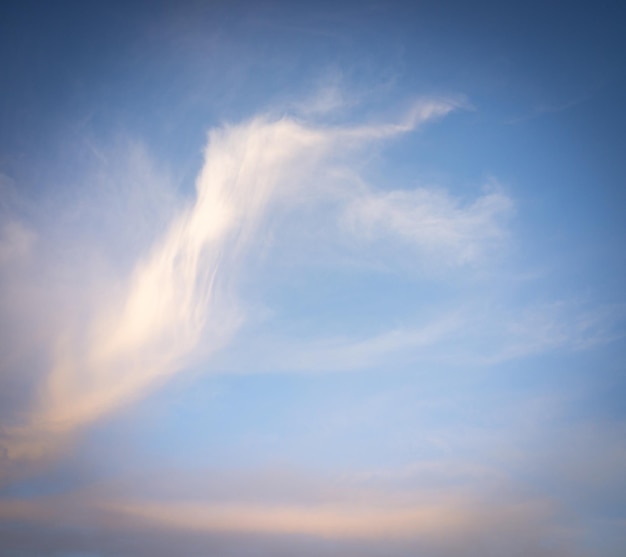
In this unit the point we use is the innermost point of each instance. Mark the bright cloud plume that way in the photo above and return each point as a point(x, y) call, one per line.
point(179, 302)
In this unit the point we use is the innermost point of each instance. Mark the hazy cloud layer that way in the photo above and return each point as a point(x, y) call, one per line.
point(433, 523)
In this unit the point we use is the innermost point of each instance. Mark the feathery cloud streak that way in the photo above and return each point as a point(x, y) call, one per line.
point(180, 297)
point(432, 221)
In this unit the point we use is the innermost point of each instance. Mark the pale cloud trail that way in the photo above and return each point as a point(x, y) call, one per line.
point(419, 113)
point(180, 298)
point(342, 353)
point(471, 335)
point(432, 221)
point(565, 325)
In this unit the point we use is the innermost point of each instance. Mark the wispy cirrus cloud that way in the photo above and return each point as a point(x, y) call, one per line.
point(473, 334)
point(180, 297)
point(432, 222)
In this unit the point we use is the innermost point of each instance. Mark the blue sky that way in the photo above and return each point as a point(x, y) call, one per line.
point(324, 279)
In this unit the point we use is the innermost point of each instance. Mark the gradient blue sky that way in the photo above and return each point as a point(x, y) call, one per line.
point(318, 279)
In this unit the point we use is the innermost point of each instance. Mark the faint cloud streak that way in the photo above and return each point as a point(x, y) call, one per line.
point(432, 221)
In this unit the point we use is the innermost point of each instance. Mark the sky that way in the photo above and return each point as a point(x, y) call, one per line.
point(327, 279)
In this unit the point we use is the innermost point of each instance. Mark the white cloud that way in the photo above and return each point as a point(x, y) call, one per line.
point(180, 298)
point(433, 222)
